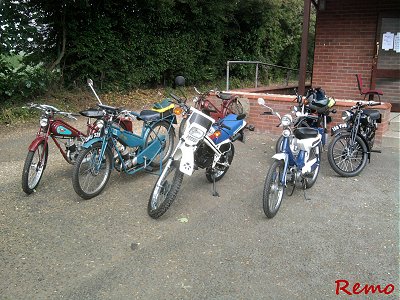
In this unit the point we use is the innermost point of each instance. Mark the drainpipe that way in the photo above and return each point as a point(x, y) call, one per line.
point(304, 47)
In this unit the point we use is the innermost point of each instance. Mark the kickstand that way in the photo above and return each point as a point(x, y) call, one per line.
point(215, 193)
point(304, 190)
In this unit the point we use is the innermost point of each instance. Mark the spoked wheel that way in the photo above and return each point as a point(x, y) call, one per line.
point(165, 132)
point(273, 189)
point(235, 108)
point(91, 173)
point(311, 178)
point(345, 157)
point(220, 169)
point(165, 190)
point(34, 166)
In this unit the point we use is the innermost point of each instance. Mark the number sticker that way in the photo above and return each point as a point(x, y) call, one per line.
point(92, 136)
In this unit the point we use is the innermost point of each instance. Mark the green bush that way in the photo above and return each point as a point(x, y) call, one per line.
point(20, 82)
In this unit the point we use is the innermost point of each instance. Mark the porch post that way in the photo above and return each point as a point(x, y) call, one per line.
point(304, 47)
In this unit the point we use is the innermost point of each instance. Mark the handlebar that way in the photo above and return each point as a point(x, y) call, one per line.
point(361, 104)
point(49, 109)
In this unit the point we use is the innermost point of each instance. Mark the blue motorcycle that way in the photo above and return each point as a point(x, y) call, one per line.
point(114, 146)
point(296, 165)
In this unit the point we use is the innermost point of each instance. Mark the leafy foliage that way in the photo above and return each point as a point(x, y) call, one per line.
point(128, 43)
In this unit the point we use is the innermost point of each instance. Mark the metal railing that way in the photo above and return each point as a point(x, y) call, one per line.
point(257, 63)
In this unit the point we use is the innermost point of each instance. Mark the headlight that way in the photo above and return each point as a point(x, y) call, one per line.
point(99, 124)
point(196, 133)
point(286, 120)
point(44, 122)
point(346, 115)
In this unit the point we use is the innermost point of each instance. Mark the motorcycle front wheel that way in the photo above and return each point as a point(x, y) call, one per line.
point(346, 158)
point(165, 190)
point(273, 189)
point(34, 166)
point(90, 174)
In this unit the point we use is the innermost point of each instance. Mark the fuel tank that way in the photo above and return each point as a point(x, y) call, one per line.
point(60, 128)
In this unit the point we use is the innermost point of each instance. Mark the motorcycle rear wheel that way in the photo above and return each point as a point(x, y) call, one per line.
point(165, 190)
point(312, 178)
point(345, 158)
point(235, 107)
point(34, 167)
point(182, 127)
point(220, 172)
point(88, 182)
point(161, 129)
point(273, 189)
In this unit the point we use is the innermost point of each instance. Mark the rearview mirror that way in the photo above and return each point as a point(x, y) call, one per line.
point(89, 81)
point(261, 101)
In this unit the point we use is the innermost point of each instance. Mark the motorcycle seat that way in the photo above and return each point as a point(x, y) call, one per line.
point(224, 96)
point(92, 113)
point(305, 133)
point(372, 113)
point(149, 115)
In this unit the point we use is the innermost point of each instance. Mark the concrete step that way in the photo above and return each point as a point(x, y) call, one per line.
point(391, 138)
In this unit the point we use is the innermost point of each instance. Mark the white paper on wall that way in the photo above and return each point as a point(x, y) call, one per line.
point(387, 40)
point(396, 43)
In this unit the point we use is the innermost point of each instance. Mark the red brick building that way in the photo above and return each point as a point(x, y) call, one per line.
point(358, 36)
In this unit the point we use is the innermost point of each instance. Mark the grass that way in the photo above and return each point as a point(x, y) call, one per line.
point(79, 99)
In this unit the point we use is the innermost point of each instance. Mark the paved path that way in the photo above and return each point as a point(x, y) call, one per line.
point(56, 246)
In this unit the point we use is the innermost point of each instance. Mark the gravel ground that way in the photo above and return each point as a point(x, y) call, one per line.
point(57, 246)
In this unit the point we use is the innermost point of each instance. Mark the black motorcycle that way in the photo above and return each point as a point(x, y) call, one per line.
point(352, 143)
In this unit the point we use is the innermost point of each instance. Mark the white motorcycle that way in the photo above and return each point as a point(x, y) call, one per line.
point(204, 144)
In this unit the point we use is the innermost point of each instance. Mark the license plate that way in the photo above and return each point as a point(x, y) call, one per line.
point(337, 127)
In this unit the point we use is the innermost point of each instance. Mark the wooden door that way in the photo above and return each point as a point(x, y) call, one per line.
point(386, 61)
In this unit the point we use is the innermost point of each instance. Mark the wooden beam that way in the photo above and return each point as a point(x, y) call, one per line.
point(304, 46)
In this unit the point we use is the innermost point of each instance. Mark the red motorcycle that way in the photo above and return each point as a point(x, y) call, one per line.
point(230, 105)
point(67, 139)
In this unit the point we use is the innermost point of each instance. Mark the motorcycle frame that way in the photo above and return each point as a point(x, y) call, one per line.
point(289, 159)
point(112, 134)
point(43, 135)
point(203, 104)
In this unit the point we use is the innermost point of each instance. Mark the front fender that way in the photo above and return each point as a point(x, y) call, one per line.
point(92, 141)
point(280, 156)
point(35, 143)
point(187, 160)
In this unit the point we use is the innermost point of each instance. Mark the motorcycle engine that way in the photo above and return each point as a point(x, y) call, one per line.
point(72, 147)
point(203, 156)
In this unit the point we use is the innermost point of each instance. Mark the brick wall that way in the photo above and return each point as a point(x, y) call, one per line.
point(345, 46)
point(284, 105)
